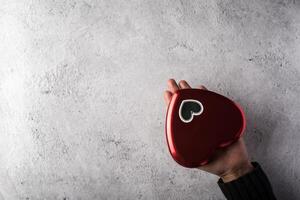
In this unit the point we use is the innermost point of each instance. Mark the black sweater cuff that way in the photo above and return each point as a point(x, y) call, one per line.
point(253, 185)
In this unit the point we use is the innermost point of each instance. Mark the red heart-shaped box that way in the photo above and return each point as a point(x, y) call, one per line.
point(200, 121)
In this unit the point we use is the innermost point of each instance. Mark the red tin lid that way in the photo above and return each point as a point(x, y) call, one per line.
point(200, 121)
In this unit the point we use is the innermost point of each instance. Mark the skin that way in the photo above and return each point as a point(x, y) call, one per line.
point(228, 163)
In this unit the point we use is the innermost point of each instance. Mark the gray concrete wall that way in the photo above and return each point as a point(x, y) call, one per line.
point(81, 84)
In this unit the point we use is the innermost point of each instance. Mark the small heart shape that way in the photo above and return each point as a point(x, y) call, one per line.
point(188, 109)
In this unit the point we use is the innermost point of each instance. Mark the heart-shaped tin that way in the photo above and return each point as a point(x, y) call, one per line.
point(200, 121)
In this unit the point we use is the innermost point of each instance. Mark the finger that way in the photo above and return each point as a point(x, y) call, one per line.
point(183, 84)
point(173, 87)
point(202, 87)
point(167, 97)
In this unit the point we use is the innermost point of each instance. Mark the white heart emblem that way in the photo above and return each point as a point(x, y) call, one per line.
point(190, 108)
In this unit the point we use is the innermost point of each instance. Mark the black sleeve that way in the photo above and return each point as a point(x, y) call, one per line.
point(254, 185)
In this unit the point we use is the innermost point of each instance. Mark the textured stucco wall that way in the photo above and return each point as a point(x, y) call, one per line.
point(81, 84)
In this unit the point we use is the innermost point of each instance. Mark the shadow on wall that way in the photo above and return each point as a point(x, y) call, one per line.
point(266, 143)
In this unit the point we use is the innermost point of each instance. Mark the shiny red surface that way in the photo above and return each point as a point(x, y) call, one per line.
point(221, 123)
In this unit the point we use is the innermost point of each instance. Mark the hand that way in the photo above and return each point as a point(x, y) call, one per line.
point(228, 163)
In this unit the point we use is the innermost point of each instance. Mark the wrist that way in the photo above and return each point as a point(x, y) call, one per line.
point(237, 172)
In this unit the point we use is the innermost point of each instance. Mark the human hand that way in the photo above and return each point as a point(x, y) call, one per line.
point(230, 162)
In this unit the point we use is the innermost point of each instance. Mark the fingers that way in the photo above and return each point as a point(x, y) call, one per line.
point(183, 84)
point(172, 85)
point(167, 97)
point(202, 87)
